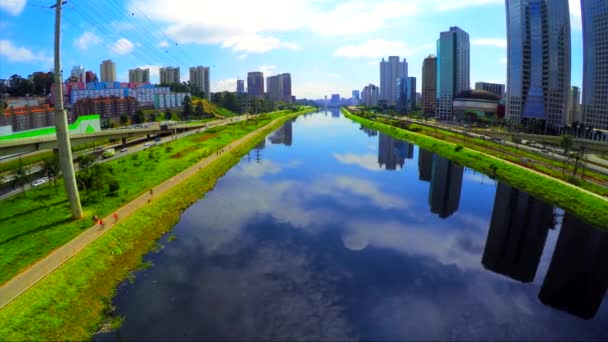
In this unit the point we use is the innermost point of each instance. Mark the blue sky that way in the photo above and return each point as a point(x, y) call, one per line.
point(328, 46)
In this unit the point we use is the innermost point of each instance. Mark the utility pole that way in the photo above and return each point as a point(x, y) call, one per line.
point(61, 122)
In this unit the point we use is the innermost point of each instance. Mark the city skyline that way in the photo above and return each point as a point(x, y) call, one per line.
point(280, 44)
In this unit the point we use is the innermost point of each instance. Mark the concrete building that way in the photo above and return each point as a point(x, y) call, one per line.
point(170, 75)
point(446, 185)
point(476, 106)
point(274, 88)
point(429, 85)
point(78, 74)
point(107, 71)
point(169, 100)
point(144, 95)
point(518, 231)
point(538, 63)
point(200, 79)
point(595, 63)
point(577, 278)
point(240, 86)
point(27, 117)
point(495, 88)
point(390, 72)
point(287, 96)
point(139, 75)
point(370, 95)
point(255, 84)
point(411, 93)
point(356, 96)
point(107, 107)
point(453, 69)
point(574, 106)
point(90, 76)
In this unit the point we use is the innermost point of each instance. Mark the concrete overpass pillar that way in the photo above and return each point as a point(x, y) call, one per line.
point(124, 142)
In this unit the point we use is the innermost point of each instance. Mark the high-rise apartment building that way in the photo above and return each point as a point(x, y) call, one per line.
point(274, 87)
point(370, 95)
point(139, 75)
point(240, 86)
point(494, 88)
point(78, 74)
point(538, 62)
point(356, 96)
point(429, 85)
point(595, 63)
point(453, 69)
point(286, 87)
point(390, 72)
point(255, 84)
point(411, 93)
point(574, 101)
point(199, 78)
point(169, 75)
point(107, 71)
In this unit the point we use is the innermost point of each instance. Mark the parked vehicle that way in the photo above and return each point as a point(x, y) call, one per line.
point(124, 149)
point(108, 153)
point(39, 182)
point(147, 144)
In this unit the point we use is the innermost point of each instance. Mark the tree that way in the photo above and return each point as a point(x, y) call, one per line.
point(21, 177)
point(138, 117)
point(50, 167)
point(187, 107)
point(566, 143)
point(96, 178)
point(84, 161)
point(19, 86)
point(200, 110)
point(124, 118)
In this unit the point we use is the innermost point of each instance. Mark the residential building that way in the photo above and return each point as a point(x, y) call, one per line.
point(255, 84)
point(170, 75)
point(495, 88)
point(538, 63)
point(169, 100)
point(595, 63)
point(370, 95)
point(286, 86)
point(28, 117)
point(574, 105)
point(144, 94)
point(390, 72)
point(111, 107)
point(356, 96)
point(453, 69)
point(90, 76)
point(240, 86)
point(139, 75)
point(107, 71)
point(199, 78)
point(429, 85)
point(274, 87)
point(78, 74)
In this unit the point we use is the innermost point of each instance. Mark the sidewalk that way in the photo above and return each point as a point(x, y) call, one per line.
point(26, 279)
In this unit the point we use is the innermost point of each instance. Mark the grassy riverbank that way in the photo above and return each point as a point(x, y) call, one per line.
point(39, 221)
point(586, 206)
point(74, 301)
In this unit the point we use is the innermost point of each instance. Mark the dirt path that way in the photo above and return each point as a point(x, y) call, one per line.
point(23, 281)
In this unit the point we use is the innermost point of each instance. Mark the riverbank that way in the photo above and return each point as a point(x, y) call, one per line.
point(72, 302)
point(581, 203)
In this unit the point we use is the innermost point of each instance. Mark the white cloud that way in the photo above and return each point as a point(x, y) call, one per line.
point(375, 48)
point(575, 14)
point(503, 60)
point(228, 84)
point(333, 75)
point(122, 46)
point(13, 7)
point(456, 4)
point(256, 44)
point(496, 42)
point(241, 57)
point(267, 69)
point(366, 161)
point(20, 54)
point(86, 40)
point(163, 44)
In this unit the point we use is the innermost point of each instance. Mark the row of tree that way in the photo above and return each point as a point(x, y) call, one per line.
point(38, 85)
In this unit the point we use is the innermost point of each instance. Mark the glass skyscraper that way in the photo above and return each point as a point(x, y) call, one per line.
point(453, 69)
point(595, 63)
point(538, 74)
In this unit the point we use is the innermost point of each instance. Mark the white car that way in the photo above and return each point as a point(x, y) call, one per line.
point(147, 144)
point(39, 182)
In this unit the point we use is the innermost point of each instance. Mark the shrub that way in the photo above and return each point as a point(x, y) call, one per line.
point(457, 148)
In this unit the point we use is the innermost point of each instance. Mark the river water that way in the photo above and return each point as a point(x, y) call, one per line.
point(331, 231)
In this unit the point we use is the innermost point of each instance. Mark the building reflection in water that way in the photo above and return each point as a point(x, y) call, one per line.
point(283, 135)
point(393, 152)
point(577, 278)
point(517, 235)
point(446, 184)
point(425, 165)
point(370, 132)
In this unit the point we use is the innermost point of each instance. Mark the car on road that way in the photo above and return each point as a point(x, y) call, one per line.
point(124, 149)
point(147, 144)
point(39, 182)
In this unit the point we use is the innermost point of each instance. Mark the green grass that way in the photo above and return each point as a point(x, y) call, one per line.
point(38, 222)
point(580, 203)
point(74, 301)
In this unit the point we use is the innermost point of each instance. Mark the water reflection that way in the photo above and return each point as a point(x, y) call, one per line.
point(393, 152)
point(578, 276)
point(446, 184)
point(283, 135)
point(517, 234)
point(425, 165)
point(369, 131)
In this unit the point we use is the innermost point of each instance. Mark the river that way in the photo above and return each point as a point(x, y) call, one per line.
point(331, 231)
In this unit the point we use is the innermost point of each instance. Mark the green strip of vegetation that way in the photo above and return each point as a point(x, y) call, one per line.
point(580, 203)
point(38, 221)
point(75, 300)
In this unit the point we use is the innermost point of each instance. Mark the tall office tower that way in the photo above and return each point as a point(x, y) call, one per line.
point(274, 87)
point(494, 88)
point(356, 96)
point(107, 71)
point(425, 165)
point(402, 94)
point(574, 105)
point(240, 86)
point(577, 278)
point(199, 78)
point(255, 84)
point(139, 75)
point(411, 93)
point(170, 75)
point(446, 185)
point(453, 69)
point(370, 95)
point(78, 73)
point(390, 72)
point(595, 63)
point(518, 231)
point(538, 63)
point(429, 85)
